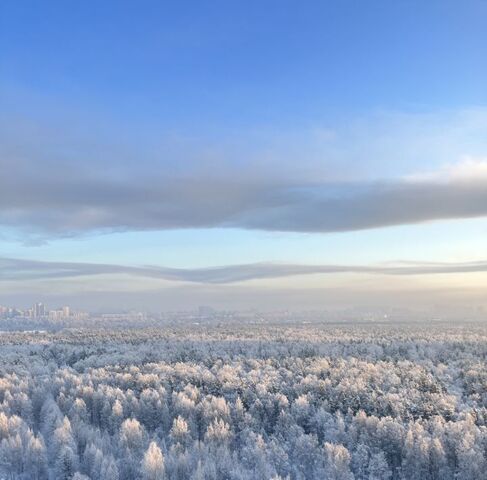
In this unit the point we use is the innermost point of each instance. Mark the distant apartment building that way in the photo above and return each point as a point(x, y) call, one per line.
point(39, 310)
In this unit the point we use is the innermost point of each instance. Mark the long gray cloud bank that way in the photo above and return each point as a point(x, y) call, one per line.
point(66, 205)
point(29, 270)
point(62, 178)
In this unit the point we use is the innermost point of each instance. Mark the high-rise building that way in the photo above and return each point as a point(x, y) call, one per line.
point(66, 311)
point(39, 310)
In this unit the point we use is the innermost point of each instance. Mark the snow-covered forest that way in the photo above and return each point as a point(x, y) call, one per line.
point(249, 403)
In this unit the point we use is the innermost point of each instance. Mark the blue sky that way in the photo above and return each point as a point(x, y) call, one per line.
point(194, 135)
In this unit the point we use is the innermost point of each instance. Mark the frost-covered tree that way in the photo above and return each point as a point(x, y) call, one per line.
point(153, 463)
point(337, 462)
point(378, 467)
point(66, 463)
point(35, 458)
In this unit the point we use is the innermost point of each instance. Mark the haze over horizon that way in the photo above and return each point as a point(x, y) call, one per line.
point(244, 154)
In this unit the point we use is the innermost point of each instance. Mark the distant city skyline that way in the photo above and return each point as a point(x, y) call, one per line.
point(243, 154)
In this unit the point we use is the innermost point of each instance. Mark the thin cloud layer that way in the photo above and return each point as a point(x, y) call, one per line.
point(31, 270)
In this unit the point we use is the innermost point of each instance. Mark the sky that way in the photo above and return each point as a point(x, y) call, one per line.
point(274, 154)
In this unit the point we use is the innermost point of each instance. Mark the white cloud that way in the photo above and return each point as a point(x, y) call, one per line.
point(468, 169)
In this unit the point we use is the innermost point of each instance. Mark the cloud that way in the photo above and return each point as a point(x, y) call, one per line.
point(71, 206)
point(77, 183)
point(32, 270)
point(468, 169)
